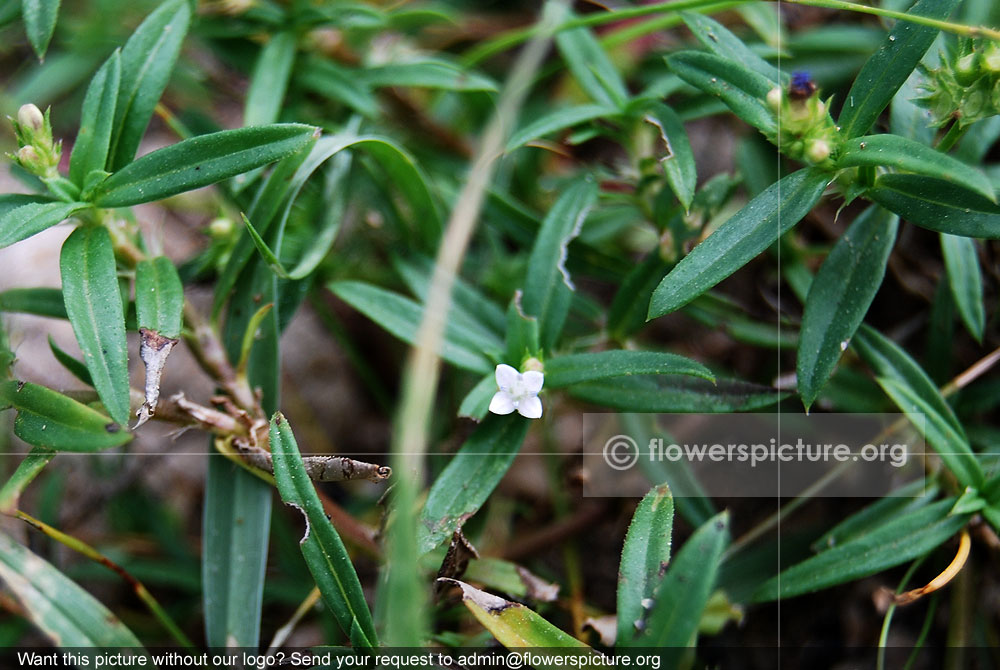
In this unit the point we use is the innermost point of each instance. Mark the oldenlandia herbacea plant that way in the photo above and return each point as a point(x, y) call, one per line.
point(422, 221)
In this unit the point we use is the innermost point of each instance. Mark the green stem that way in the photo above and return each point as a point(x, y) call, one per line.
point(954, 134)
point(924, 631)
point(887, 621)
point(138, 587)
point(518, 36)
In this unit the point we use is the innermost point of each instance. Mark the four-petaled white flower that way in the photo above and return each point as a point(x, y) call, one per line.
point(518, 392)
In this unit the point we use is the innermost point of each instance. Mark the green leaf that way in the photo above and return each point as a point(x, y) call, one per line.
point(90, 150)
point(429, 73)
point(558, 120)
point(903, 538)
point(94, 306)
point(69, 616)
point(469, 479)
point(522, 332)
point(937, 205)
point(159, 296)
point(40, 18)
point(890, 66)
point(675, 394)
point(547, 286)
point(719, 40)
point(200, 161)
point(645, 556)
point(147, 61)
point(46, 418)
point(580, 368)
point(517, 627)
point(21, 222)
point(840, 295)
point(235, 532)
point(75, 367)
point(904, 500)
point(965, 280)
point(40, 301)
point(339, 84)
point(682, 595)
point(742, 90)
point(401, 316)
point(269, 81)
point(591, 68)
point(627, 313)
point(888, 360)
point(950, 444)
point(678, 159)
point(27, 470)
point(911, 156)
point(477, 402)
point(737, 241)
point(321, 546)
point(469, 304)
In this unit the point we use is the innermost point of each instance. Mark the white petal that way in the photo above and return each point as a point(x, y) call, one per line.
point(506, 376)
point(501, 403)
point(530, 407)
point(533, 380)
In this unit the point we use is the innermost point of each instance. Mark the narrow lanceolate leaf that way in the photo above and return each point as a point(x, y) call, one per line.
point(147, 60)
point(912, 390)
point(517, 627)
point(46, 418)
point(903, 538)
point(548, 288)
point(94, 306)
point(200, 161)
point(430, 73)
point(937, 205)
point(912, 156)
point(39, 301)
point(840, 295)
point(743, 91)
point(24, 220)
point(65, 613)
point(26, 471)
point(40, 18)
point(580, 368)
point(324, 552)
point(737, 241)
point(645, 557)
point(90, 150)
point(590, 66)
point(903, 500)
point(889, 67)
point(719, 40)
point(683, 593)
point(159, 296)
point(950, 444)
point(477, 402)
point(401, 317)
point(234, 553)
point(270, 80)
point(677, 160)
point(75, 367)
point(470, 477)
point(159, 301)
point(965, 280)
point(559, 120)
point(888, 360)
point(647, 393)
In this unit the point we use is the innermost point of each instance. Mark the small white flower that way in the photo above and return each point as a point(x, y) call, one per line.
point(518, 392)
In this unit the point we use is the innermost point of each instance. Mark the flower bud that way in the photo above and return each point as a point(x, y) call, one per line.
point(220, 227)
point(28, 156)
point(533, 364)
point(31, 117)
point(817, 151)
point(774, 99)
